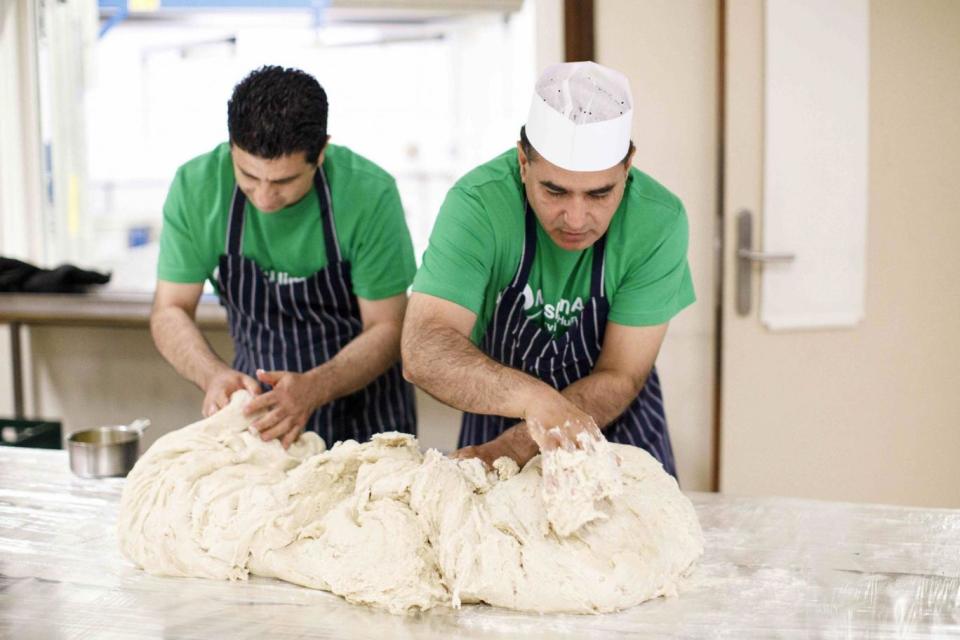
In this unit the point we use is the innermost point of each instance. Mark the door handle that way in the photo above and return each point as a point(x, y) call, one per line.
point(760, 256)
point(746, 256)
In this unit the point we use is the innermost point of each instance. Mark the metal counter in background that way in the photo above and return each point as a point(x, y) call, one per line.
point(774, 567)
point(95, 309)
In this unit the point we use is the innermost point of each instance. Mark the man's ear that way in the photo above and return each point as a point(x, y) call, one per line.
point(523, 161)
point(323, 151)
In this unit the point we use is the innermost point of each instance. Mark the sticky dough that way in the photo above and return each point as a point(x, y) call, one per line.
point(382, 524)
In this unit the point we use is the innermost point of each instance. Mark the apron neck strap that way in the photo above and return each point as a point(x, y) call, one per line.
point(322, 188)
point(596, 270)
point(529, 245)
point(235, 223)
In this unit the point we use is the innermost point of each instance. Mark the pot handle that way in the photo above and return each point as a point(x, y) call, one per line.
point(139, 425)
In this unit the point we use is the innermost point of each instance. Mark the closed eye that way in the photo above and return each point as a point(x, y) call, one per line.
point(602, 192)
point(553, 190)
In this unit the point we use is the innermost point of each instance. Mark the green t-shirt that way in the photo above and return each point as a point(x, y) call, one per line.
point(477, 241)
point(367, 212)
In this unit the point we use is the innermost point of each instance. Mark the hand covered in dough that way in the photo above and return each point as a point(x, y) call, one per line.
point(514, 443)
point(286, 408)
point(221, 386)
point(553, 421)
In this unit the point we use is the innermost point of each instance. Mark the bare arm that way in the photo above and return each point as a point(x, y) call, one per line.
point(295, 396)
point(367, 356)
point(625, 361)
point(179, 340)
point(627, 356)
point(440, 359)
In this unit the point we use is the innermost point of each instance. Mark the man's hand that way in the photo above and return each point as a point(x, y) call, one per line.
point(222, 385)
point(554, 421)
point(514, 443)
point(288, 406)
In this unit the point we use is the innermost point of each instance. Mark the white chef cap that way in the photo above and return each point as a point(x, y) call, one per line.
point(580, 116)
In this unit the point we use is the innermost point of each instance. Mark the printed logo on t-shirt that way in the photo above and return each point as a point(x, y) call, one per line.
point(563, 313)
point(281, 277)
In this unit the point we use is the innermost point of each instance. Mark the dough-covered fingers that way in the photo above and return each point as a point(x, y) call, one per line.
point(594, 431)
point(545, 438)
point(583, 434)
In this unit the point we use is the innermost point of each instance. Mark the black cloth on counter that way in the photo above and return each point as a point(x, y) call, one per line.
point(16, 275)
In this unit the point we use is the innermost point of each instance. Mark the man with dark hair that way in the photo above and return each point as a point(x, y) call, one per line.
point(306, 244)
point(551, 275)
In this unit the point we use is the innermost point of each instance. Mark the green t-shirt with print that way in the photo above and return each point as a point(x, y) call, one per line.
point(477, 241)
point(369, 220)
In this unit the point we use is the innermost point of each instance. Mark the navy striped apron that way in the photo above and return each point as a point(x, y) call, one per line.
point(520, 342)
point(300, 323)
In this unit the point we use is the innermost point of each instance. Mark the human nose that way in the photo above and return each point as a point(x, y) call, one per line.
point(576, 214)
point(265, 195)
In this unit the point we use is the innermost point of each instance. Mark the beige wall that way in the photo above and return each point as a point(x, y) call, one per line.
point(549, 20)
point(668, 51)
point(909, 354)
point(868, 413)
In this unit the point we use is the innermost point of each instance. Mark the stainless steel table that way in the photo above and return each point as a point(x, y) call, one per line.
point(773, 568)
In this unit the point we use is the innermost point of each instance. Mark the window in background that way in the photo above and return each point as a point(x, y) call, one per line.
point(425, 95)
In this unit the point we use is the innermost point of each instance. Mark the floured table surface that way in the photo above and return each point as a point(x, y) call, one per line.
point(772, 568)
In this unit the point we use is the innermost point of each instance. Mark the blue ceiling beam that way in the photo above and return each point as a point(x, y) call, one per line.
point(224, 4)
point(119, 10)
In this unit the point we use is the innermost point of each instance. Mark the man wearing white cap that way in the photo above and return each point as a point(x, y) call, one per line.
point(551, 275)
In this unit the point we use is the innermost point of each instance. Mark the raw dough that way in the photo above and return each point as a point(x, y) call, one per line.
point(382, 524)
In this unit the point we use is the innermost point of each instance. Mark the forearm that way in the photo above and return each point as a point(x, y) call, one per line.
point(603, 394)
point(180, 341)
point(360, 362)
point(445, 364)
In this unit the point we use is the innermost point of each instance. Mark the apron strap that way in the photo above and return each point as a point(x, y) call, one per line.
point(529, 246)
point(326, 216)
point(234, 240)
point(597, 268)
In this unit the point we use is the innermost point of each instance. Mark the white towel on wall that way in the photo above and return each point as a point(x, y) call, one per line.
point(815, 163)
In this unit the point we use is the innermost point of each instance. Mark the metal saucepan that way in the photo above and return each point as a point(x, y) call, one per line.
point(105, 451)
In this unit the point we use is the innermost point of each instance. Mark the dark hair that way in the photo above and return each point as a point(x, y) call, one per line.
point(276, 112)
point(532, 154)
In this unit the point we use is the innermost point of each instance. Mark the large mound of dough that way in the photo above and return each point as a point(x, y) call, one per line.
point(382, 524)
